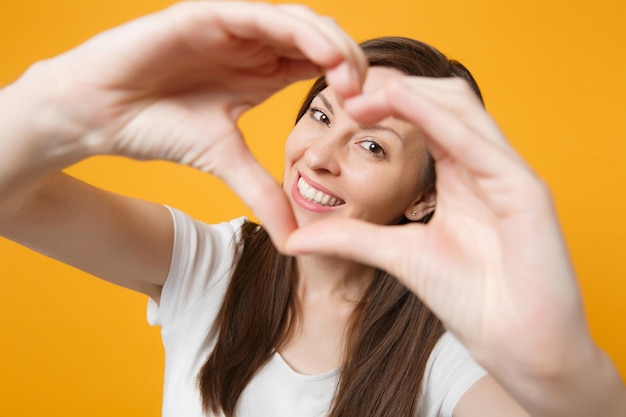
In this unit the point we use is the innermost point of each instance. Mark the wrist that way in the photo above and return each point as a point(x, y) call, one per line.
point(591, 386)
point(582, 382)
point(39, 136)
point(48, 116)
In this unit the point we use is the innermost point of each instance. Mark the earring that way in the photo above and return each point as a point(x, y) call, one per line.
point(414, 213)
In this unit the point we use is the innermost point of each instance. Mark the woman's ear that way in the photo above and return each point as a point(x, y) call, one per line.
point(422, 207)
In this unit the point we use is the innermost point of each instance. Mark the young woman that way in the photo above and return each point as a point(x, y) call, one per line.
point(325, 332)
point(248, 331)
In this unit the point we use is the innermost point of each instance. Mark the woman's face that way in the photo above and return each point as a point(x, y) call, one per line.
point(337, 167)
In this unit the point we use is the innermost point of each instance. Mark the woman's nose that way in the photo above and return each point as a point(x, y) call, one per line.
point(324, 154)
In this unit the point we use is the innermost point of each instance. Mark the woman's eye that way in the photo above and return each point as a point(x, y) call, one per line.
point(319, 115)
point(373, 148)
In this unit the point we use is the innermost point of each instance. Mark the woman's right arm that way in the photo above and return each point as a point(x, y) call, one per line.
point(169, 86)
point(120, 239)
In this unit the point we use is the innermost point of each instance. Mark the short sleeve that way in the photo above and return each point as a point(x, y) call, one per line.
point(450, 372)
point(201, 258)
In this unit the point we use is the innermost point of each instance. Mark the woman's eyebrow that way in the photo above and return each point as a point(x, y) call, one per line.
point(382, 128)
point(362, 127)
point(326, 103)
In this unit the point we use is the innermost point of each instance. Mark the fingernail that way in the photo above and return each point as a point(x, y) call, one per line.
point(345, 79)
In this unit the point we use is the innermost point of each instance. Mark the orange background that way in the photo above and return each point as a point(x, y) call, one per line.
point(553, 75)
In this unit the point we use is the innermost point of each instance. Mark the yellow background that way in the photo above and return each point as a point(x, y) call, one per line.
point(553, 74)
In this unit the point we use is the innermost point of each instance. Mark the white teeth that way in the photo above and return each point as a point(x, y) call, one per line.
point(316, 195)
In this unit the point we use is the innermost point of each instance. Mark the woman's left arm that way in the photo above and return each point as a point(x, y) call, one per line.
point(486, 398)
point(492, 264)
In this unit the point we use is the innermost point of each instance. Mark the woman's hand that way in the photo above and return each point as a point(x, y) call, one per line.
point(492, 263)
point(493, 245)
point(172, 85)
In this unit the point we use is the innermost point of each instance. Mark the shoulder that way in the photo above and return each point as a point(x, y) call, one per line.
point(187, 228)
point(449, 373)
point(201, 262)
point(201, 248)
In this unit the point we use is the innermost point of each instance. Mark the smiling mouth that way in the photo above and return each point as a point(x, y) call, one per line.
point(317, 196)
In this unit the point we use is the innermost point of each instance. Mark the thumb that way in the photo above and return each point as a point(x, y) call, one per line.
point(383, 247)
point(261, 193)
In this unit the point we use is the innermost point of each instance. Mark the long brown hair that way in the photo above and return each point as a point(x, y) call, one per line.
point(391, 333)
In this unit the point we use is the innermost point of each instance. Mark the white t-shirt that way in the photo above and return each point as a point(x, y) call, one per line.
point(190, 301)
